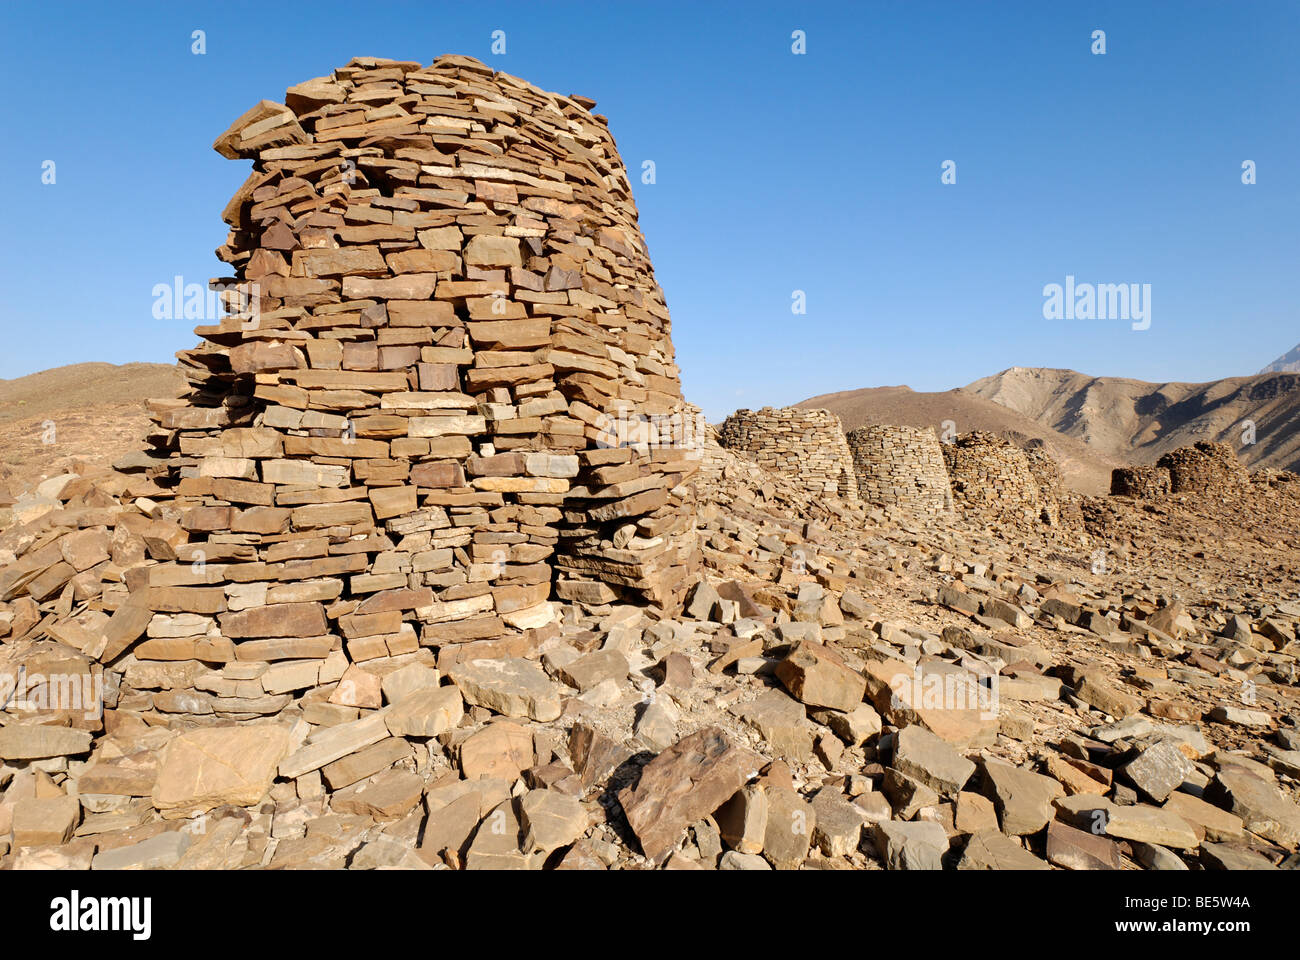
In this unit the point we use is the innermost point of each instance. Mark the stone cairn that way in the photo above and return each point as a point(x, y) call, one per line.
point(991, 476)
point(447, 390)
point(901, 467)
point(804, 445)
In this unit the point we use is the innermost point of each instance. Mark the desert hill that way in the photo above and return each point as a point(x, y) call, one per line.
point(1136, 421)
point(1085, 470)
point(88, 411)
point(82, 385)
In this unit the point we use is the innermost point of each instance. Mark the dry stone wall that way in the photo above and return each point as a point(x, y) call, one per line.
point(1144, 483)
point(1047, 475)
point(445, 394)
point(991, 476)
point(901, 466)
point(1206, 467)
point(807, 446)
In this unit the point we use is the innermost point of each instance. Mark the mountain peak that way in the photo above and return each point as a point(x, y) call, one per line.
point(1289, 362)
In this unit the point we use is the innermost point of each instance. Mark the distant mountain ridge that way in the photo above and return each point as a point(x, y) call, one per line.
point(1289, 362)
point(1136, 422)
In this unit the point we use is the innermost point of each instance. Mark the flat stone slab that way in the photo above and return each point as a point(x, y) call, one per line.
point(156, 853)
point(26, 741)
point(1023, 798)
point(1140, 822)
point(925, 757)
point(1230, 856)
point(550, 820)
point(1213, 823)
point(838, 829)
point(426, 712)
point(994, 850)
point(212, 766)
point(1075, 849)
point(513, 687)
point(911, 845)
point(781, 721)
point(1260, 805)
point(814, 674)
point(1158, 770)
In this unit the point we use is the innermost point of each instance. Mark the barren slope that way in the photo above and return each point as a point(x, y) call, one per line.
point(1289, 362)
point(1135, 421)
point(89, 411)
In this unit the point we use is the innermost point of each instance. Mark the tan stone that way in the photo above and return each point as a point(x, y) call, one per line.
point(211, 766)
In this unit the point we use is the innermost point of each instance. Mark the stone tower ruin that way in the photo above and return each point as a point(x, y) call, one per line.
point(806, 446)
point(991, 476)
point(1143, 483)
point(448, 388)
point(901, 467)
point(1206, 468)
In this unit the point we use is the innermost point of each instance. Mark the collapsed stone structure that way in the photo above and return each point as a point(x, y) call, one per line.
point(901, 466)
point(1142, 483)
point(1205, 468)
point(992, 476)
point(807, 446)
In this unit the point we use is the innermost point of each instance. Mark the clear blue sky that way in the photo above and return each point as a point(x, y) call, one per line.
point(775, 172)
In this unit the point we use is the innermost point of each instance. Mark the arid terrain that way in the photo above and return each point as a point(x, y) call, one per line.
point(1086, 469)
point(429, 565)
point(92, 412)
point(1137, 422)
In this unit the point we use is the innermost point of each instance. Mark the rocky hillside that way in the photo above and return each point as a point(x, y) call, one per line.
point(1137, 422)
point(91, 413)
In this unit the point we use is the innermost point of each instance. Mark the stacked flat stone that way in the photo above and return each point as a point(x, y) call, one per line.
point(1206, 467)
point(901, 467)
point(1048, 477)
point(807, 446)
point(447, 394)
point(1143, 483)
point(991, 477)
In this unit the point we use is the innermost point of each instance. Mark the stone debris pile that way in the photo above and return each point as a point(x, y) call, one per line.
point(804, 445)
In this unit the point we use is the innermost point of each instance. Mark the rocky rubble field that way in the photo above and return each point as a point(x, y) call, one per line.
point(846, 689)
